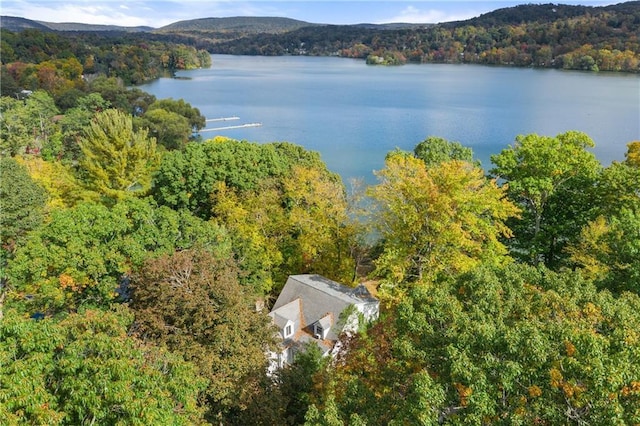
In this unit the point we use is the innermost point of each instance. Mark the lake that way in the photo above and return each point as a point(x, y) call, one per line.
point(353, 114)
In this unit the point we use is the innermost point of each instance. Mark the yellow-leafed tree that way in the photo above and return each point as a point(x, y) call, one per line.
point(117, 161)
point(444, 218)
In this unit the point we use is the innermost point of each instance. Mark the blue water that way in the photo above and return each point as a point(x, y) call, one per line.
point(353, 114)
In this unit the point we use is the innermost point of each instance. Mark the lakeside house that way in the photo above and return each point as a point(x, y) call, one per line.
point(314, 309)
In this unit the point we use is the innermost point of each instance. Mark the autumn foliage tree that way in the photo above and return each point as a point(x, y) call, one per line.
point(193, 303)
point(285, 211)
point(633, 154)
point(608, 247)
point(81, 256)
point(318, 215)
point(496, 345)
point(116, 160)
point(426, 214)
point(296, 224)
point(59, 181)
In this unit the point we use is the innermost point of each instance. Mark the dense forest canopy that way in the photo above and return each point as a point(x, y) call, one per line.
point(548, 36)
point(32, 57)
point(134, 255)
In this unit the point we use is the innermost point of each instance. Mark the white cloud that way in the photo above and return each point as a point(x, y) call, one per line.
point(413, 15)
point(83, 12)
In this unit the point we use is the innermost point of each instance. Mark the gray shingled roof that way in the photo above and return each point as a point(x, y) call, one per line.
point(320, 296)
point(326, 322)
point(290, 311)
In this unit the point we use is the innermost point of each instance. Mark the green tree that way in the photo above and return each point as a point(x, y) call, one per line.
point(40, 109)
point(607, 248)
point(285, 395)
point(497, 345)
point(83, 255)
point(435, 150)
point(186, 179)
point(14, 130)
point(117, 161)
point(617, 188)
point(22, 202)
point(26, 125)
point(85, 369)
point(196, 120)
point(21, 210)
point(170, 129)
point(552, 179)
point(76, 119)
point(113, 91)
point(447, 211)
point(9, 86)
point(330, 415)
point(296, 382)
point(193, 303)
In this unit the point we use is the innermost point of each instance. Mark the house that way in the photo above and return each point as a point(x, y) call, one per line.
point(314, 309)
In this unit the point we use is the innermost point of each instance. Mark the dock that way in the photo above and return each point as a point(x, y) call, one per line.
point(210, 120)
point(239, 126)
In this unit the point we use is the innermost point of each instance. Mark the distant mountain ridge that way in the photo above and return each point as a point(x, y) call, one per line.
point(246, 24)
point(75, 26)
point(15, 23)
point(525, 13)
point(249, 24)
point(240, 24)
point(392, 26)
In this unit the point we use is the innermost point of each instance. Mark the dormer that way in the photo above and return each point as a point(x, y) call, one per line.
point(288, 319)
point(322, 326)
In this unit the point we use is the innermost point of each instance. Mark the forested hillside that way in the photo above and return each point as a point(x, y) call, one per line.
point(548, 36)
point(135, 255)
point(239, 24)
point(33, 59)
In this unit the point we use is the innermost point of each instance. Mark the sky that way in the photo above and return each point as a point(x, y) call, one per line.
point(158, 13)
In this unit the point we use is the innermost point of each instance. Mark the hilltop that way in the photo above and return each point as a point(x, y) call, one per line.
point(245, 24)
point(14, 23)
point(237, 24)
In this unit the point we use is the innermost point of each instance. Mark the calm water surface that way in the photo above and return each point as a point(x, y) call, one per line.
point(353, 114)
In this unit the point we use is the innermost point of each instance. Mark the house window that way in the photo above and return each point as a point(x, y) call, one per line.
point(288, 330)
point(318, 331)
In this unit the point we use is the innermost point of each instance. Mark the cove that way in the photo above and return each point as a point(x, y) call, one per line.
point(353, 113)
